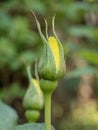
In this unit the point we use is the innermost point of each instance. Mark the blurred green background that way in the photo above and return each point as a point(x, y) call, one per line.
point(74, 103)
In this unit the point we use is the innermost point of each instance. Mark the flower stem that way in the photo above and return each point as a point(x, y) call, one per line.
point(47, 111)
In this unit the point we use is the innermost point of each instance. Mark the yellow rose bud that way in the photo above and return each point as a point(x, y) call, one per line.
point(33, 98)
point(52, 64)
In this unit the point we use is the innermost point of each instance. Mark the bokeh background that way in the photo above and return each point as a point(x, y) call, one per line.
point(75, 101)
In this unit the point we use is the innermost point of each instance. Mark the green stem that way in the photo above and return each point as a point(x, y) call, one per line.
point(47, 111)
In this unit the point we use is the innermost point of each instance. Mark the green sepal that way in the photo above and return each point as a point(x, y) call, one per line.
point(46, 66)
point(62, 69)
point(39, 29)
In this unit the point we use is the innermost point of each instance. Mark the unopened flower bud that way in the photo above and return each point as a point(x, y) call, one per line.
point(33, 98)
point(52, 63)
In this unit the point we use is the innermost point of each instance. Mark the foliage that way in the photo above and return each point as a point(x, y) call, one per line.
point(77, 26)
point(19, 43)
point(29, 126)
point(17, 34)
point(10, 123)
point(8, 94)
point(8, 117)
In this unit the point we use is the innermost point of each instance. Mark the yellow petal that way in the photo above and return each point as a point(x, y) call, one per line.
point(36, 84)
point(55, 49)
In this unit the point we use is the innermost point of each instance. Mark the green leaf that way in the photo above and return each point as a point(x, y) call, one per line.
point(8, 94)
point(35, 5)
point(81, 71)
point(8, 120)
point(28, 57)
point(89, 32)
point(5, 22)
point(6, 48)
point(81, 31)
point(8, 117)
point(90, 55)
point(21, 31)
point(32, 126)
